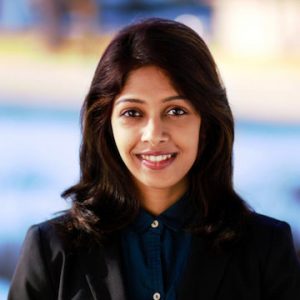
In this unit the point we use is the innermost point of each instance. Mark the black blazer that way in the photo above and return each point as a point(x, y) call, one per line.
point(262, 266)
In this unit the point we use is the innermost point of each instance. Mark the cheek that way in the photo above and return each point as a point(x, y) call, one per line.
point(124, 139)
point(190, 138)
point(119, 140)
point(117, 135)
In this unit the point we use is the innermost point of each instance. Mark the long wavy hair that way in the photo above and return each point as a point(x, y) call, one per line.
point(105, 200)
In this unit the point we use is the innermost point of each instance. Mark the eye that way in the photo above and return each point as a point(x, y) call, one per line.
point(131, 113)
point(176, 111)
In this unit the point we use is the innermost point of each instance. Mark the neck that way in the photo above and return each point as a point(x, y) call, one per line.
point(156, 200)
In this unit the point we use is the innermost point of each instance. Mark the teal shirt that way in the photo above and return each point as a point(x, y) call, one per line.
point(155, 250)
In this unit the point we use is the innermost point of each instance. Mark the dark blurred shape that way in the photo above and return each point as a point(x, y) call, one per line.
point(64, 18)
point(8, 257)
point(80, 23)
point(297, 194)
point(51, 14)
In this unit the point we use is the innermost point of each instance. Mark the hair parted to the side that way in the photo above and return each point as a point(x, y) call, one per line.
point(104, 200)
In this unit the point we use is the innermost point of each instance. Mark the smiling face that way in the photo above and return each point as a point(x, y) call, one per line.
point(156, 131)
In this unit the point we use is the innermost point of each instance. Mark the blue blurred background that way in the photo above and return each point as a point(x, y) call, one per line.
point(48, 52)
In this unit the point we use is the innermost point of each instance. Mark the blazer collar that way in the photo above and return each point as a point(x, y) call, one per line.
point(200, 280)
point(204, 272)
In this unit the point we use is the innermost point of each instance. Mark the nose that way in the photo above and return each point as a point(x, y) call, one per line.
point(154, 132)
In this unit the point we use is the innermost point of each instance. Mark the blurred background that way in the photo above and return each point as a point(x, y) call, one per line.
point(48, 53)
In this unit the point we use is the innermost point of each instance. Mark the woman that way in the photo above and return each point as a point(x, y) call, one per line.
point(154, 214)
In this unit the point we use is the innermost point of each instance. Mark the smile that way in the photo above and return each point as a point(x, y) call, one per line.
point(156, 158)
point(157, 161)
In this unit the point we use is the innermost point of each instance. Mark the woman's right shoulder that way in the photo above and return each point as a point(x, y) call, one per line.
point(43, 254)
point(49, 255)
point(53, 234)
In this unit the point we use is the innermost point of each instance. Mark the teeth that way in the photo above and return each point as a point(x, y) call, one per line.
point(156, 158)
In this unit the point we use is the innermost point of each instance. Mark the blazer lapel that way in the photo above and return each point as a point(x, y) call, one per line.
point(102, 268)
point(114, 279)
point(204, 272)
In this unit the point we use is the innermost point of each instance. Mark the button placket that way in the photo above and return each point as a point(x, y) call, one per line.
point(154, 251)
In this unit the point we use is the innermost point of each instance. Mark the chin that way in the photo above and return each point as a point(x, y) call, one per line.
point(162, 184)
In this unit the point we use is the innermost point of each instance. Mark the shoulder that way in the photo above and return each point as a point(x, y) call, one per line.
point(264, 221)
point(265, 240)
point(49, 258)
point(59, 236)
point(50, 234)
point(269, 239)
point(39, 264)
point(264, 230)
point(261, 224)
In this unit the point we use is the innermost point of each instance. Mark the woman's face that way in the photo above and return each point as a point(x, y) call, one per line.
point(156, 131)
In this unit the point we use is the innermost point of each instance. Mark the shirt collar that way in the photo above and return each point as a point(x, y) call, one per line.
point(175, 217)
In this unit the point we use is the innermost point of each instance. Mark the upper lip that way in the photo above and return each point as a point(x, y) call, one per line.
point(156, 153)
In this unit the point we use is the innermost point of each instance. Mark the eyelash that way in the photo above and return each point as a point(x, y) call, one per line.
point(133, 113)
point(177, 109)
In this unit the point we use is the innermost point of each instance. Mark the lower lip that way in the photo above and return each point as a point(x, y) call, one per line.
point(157, 165)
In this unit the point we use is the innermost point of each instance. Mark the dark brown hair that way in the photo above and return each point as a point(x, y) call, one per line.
point(104, 200)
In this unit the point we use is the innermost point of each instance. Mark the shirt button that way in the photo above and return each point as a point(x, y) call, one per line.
point(155, 224)
point(156, 296)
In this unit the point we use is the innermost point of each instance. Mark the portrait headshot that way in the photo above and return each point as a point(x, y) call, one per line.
point(154, 213)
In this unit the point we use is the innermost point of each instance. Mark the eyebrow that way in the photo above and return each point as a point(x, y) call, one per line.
point(134, 100)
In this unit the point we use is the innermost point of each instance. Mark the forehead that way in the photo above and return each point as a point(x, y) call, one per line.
point(148, 78)
point(150, 85)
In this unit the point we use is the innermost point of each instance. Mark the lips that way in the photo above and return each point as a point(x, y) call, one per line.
point(156, 161)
